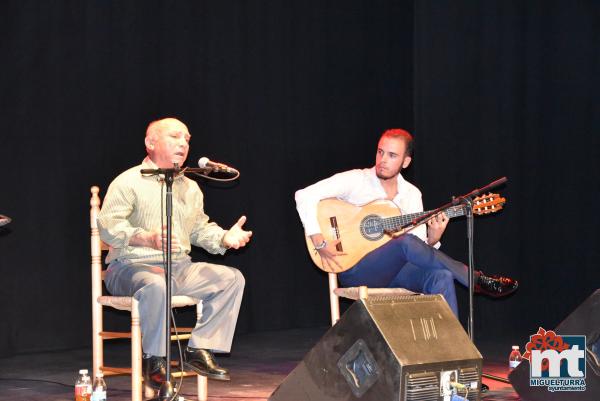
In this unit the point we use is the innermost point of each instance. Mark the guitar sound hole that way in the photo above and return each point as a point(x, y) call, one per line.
point(371, 227)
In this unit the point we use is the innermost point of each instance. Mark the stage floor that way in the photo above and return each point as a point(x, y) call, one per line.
point(259, 362)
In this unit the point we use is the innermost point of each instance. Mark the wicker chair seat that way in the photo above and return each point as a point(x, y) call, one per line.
point(124, 303)
point(352, 292)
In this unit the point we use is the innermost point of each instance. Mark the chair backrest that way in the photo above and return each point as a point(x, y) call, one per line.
point(97, 273)
point(96, 270)
point(97, 246)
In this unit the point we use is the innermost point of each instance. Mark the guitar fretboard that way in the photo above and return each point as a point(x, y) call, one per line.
point(392, 224)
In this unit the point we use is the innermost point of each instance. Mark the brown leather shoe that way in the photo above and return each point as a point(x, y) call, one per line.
point(155, 370)
point(203, 362)
point(495, 286)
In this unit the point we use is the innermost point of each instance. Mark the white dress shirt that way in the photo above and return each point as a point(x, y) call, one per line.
point(357, 187)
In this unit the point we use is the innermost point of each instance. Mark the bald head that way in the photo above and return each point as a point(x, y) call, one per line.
point(158, 126)
point(167, 142)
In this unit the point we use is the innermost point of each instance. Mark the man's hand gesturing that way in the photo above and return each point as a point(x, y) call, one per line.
point(236, 237)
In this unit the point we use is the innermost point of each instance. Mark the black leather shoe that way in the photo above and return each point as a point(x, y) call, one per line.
point(155, 370)
point(495, 286)
point(203, 362)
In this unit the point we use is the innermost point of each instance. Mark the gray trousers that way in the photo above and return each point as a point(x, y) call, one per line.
point(219, 287)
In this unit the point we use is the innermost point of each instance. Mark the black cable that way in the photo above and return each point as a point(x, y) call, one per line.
point(54, 382)
point(121, 390)
point(36, 380)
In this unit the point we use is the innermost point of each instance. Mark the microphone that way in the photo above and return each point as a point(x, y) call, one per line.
point(4, 220)
point(205, 162)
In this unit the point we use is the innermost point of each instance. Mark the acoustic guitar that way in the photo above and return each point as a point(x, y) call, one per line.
point(361, 229)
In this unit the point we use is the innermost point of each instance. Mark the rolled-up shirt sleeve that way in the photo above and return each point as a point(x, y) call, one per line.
point(307, 199)
point(206, 234)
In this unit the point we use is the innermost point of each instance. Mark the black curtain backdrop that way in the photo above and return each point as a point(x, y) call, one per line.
point(509, 88)
point(291, 92)
point(287, 92)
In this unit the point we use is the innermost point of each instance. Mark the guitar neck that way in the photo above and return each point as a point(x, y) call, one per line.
point(395, 223)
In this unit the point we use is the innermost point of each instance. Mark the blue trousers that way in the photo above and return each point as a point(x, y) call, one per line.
point(408, 262)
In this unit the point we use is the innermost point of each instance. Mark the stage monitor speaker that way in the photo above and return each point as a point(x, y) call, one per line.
point(585, 320)
point(408, 348)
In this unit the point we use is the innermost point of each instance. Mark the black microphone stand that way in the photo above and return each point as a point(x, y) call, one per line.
point(166, 391)
point(166, 388)
point(467, 201)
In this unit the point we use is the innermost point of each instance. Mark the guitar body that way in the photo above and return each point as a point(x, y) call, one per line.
point(358, 228)
point(362, 229)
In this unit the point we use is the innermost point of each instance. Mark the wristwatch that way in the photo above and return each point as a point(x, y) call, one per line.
point(321, 245)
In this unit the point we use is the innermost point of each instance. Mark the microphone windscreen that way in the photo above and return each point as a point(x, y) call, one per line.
point(203, 162)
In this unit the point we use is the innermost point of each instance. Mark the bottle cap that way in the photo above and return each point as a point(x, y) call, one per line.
point(515, 347)
point(83, 372)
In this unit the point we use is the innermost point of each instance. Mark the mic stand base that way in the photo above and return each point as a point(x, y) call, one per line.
point(165, 393)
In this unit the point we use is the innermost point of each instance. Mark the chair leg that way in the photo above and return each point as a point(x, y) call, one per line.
point(136, 352)
point(202, 384)
point(97, 340)
point(334, 300)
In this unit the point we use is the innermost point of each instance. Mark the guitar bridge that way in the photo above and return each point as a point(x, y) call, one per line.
point(335, 233)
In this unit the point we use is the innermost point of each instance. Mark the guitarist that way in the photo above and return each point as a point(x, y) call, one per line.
point(411, 260)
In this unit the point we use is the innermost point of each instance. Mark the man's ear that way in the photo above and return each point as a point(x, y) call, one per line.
point(149, 142)
point(406, 161)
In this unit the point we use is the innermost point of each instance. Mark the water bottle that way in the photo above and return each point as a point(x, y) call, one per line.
point(83, 386)
point(515, 358)
point(99, 388)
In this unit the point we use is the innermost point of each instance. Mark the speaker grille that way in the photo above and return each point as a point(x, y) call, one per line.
point(387, 299)
point(467, 376)
point(422, 386)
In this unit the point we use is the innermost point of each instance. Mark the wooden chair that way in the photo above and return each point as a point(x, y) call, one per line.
point(99, 301)
point(355, 293)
